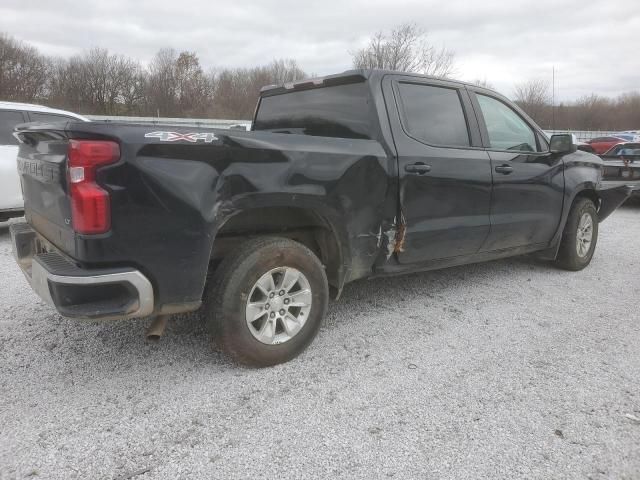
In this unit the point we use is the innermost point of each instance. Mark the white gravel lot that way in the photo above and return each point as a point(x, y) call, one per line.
point(504, 370)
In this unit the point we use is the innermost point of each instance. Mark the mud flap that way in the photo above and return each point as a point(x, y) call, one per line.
point(612, 197)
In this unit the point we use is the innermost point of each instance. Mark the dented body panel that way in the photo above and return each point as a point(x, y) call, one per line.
point(169, 200)
point(181, 197)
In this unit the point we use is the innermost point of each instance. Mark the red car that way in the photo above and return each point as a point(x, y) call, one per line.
point(602, 144)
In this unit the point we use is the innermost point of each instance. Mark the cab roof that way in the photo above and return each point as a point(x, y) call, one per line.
point(349, 76)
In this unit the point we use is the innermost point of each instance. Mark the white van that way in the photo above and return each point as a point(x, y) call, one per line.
point(12, 114)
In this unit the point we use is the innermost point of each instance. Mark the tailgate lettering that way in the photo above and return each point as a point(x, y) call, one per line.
point(44, 171)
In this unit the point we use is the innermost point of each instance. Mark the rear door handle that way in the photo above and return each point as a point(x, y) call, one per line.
point(418, 168)
point(504, 169)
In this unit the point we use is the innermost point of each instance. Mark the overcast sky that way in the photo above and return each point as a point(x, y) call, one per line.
point(593, 44)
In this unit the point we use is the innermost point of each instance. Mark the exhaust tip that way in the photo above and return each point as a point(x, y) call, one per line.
point(157, 327)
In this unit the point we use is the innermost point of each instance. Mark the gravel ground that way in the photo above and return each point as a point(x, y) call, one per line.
point(510, 369)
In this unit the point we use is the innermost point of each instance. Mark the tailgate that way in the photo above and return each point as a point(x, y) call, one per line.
point(42, 165)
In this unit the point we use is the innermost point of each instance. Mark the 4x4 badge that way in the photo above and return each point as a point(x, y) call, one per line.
point(176, 137)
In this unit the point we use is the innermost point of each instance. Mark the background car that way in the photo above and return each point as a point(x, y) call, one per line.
point(602, 144)
point(628, 136)
point(585, 147)
point(629, 150)
point(623, 161)
point(12, 114)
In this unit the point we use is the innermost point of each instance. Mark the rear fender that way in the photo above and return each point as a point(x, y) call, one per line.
point(329, 220)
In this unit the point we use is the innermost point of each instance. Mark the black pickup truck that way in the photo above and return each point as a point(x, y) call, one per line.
point(365, 173)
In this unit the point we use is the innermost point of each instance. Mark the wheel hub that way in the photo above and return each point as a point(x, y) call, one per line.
point(278, 305)
point(584, 235)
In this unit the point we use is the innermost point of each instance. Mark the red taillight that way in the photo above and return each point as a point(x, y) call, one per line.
point(90, 206)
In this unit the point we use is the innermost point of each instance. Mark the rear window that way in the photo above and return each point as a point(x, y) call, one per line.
point(342, 111)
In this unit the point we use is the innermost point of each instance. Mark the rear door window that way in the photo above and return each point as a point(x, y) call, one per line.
point(433, 115)
point(8, 120)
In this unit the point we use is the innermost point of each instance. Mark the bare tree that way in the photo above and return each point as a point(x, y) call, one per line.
point(483, 83)
point(236, 90)
point(96, 82)
point(592, 112)
point(193, 89)
point(627, 111)
point(23, 71)
point(533, 97)
point(176, 85)
point(405, 48)
point(161, 87)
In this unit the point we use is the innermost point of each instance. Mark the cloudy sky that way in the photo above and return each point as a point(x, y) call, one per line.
point(593, 45)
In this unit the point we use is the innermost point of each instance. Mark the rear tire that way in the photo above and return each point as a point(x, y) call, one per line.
point(579, 237)
point(255, 280)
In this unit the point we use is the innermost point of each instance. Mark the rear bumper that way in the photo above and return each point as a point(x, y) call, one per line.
point(98, 294)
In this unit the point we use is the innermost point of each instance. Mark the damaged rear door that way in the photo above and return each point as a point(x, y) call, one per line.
point(444, 175)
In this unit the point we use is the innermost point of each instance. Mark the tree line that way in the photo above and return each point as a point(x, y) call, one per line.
point(589, 112)
point(174, 84)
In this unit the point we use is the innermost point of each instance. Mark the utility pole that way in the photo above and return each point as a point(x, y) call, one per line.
point(553, 98)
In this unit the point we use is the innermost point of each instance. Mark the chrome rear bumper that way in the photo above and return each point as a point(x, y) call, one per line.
point(99, 294)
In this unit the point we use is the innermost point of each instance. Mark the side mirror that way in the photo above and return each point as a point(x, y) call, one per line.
point(563, 143)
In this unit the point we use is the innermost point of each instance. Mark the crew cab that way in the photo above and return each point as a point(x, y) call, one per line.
point(367, 173)
point(12, 114)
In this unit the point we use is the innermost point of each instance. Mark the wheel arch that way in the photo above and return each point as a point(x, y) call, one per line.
point(584, 190)
point(312, 227)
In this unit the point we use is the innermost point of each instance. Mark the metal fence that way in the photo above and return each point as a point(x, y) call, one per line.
point(177, 122)
point(584, 135)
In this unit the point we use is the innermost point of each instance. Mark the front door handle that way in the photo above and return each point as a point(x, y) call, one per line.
point(418, 168)
point(504, 169)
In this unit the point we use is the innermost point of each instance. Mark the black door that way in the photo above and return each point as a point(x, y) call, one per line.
point(528, 181)
point(444, 174)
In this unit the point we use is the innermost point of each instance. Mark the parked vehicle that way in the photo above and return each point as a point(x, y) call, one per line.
point(602, 144)
point(628, 137)
point(629, 150)
point(634, 133)
point(585, 147)
point(12, 114)
point(361, 174)
point(623, 161)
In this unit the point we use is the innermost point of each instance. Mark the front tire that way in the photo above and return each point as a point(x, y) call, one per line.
point(579, 237)
point(267, 301)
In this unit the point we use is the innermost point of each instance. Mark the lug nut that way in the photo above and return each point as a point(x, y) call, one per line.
point(271, 295)
point(282, 312)
point(286, 301)
point(266, 306)
point(281, 292)
point(272, 314)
